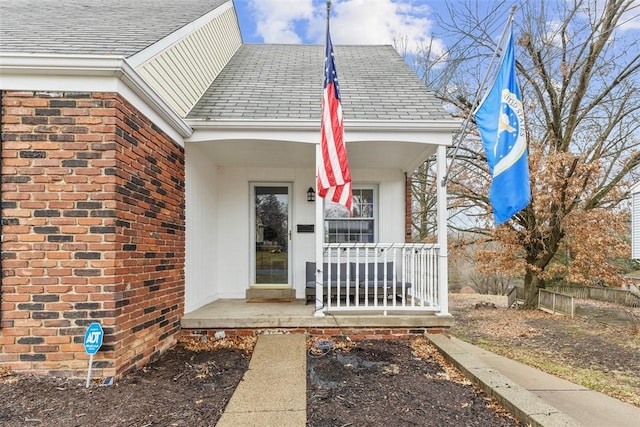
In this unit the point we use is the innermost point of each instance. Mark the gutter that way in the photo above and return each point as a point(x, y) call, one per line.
point(441, 125)
point(308, 131)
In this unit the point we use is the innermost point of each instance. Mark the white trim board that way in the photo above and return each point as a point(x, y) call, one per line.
point(88, 73)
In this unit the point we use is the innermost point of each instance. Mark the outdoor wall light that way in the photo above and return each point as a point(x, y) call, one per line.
point(311, 195)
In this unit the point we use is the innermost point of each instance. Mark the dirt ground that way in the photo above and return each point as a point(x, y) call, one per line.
point(371, 383)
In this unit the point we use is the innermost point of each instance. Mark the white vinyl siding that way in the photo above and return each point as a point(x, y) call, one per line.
point(184, 71)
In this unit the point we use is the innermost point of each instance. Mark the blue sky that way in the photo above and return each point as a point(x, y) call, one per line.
point(303, 21)
point(354, 21)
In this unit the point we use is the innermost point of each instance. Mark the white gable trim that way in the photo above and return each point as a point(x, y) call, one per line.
point(88, 73)
point(165, 43)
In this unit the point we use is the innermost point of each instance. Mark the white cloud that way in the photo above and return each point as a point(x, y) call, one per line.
point(276, 19)
point(352, 22)
point(377, 22)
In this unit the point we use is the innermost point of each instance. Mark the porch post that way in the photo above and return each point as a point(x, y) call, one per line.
point(319, 240)
point(443, 276)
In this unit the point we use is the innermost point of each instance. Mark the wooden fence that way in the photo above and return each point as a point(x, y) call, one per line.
point(515, 297)
point(619, 296)
point(553, 302)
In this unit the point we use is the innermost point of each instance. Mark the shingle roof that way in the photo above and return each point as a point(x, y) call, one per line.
point(285, 82)
point(93, 27)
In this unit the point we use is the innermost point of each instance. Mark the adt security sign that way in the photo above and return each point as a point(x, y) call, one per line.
point(93, 338)
point(92, 343)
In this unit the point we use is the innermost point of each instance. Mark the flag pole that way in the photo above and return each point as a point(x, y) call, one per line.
point(328, 13)
point(476, 100)
point(319, 312)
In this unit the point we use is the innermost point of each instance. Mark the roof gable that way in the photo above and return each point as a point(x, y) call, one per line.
point(91, 27)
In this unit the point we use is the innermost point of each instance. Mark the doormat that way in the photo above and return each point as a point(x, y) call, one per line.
point(270, 300)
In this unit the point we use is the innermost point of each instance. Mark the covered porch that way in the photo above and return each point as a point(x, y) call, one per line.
point(251, 161)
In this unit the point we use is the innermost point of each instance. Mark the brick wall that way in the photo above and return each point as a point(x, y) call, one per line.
point(92, 230)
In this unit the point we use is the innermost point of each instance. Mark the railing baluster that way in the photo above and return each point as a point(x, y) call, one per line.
point(394, 294)
point(385, 271)
point(329, 278)
point(356, 278)
point(366, 276)
point(340, 276)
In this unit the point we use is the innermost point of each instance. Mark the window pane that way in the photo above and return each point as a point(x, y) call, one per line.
point(340, 227)
point(334, 210)
point(362, 206)
point(349, 230)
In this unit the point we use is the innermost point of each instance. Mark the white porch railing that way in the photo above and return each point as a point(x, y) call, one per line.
point(381, 277)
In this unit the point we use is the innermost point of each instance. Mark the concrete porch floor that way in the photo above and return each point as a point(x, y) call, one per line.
point(238, 313)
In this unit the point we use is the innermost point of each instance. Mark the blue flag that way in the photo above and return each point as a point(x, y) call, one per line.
point(500, 120)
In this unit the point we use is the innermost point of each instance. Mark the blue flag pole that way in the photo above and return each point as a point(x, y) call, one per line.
point(501, 124)
point(465, 125)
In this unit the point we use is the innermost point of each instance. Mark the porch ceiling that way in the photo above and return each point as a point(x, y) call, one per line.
point(287, 154)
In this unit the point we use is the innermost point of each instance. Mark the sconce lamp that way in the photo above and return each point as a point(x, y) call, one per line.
point(311, 195)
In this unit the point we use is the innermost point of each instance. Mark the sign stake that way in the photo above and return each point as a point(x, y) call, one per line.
point(89, 370)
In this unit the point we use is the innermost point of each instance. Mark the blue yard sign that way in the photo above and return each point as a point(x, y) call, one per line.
point(93, 338)
point(92, 343)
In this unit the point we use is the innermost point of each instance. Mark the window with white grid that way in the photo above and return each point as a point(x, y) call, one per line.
point(340, 227)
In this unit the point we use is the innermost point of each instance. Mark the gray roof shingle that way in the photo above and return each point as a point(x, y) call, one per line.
point(285, 82)
point(93, 27)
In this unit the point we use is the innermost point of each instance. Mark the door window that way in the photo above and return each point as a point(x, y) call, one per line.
point(271, 235)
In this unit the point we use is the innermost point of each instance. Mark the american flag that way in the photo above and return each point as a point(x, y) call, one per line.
point(334, 178)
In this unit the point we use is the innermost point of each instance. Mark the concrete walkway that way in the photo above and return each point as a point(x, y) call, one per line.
point(533, 396)
point(273, 391)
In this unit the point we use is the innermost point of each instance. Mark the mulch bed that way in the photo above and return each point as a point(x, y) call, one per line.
point(391, 383)
point(183, 388)
point(369, 383)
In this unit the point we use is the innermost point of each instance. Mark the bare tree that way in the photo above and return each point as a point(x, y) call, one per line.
point(579, 73)
point(424, 201)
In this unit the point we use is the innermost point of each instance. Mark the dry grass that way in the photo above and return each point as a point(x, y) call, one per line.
point(585, 351)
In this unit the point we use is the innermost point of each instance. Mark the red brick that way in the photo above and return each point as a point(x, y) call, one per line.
point(56, 357)
point(16, 348)
point(7, 340)
point(45, 348)
point(6, 360)
point(35, 102)
point(15, 331)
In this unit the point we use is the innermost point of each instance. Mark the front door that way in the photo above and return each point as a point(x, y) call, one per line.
point(271, 234)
